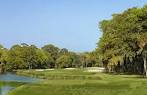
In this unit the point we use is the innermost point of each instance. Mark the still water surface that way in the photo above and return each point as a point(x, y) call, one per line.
point(10, 77)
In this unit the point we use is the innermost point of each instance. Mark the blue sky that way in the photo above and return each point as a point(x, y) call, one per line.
point(71, 24)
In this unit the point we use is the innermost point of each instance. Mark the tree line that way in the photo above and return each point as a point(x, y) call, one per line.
point(123, 45)
point(24, 56)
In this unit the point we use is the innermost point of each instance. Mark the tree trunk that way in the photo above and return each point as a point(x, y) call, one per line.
point(145, 69)
point(29, 66)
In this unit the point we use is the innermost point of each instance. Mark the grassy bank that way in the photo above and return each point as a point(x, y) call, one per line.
point(13, 84)
point(102, 84)
point(60, 74)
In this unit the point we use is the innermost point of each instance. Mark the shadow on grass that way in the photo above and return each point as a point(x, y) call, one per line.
point(127, 75)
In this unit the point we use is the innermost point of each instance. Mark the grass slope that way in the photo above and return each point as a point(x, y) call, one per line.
point(103, 84)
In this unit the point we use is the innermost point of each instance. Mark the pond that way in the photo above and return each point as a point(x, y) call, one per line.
point(10, 81)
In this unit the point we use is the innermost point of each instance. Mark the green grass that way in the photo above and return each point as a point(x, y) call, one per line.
point(11, 83)
point(106, 84)
point(60, 74)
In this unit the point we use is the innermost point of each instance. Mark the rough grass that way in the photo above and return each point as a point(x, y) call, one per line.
point(106, 84)
point(60, 74)
point(13, 84)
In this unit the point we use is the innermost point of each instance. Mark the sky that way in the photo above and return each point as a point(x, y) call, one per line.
point(71, 24)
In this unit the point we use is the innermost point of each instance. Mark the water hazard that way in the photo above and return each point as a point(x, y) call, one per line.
point(9, 81)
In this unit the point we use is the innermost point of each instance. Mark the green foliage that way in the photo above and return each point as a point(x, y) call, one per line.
point(44, 59)
point(27, 57)
point(123, 36)
point(51, 49)
point(63, 61)
point(24, 56)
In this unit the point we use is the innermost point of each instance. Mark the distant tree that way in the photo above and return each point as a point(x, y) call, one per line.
point(63, 61)
point(63, 51)
point(52, 51)
point(25, 56)
point(22, 56)
point(76, 62)
point(15, 59)
point(29, 54)
point(44, 59)
point(3, 58)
